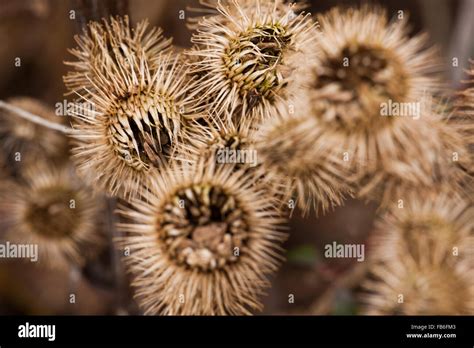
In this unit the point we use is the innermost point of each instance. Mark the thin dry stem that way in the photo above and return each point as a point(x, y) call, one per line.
point(35, 118)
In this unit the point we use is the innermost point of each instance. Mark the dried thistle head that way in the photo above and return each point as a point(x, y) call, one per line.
point(364, 60)
point(403, 287)
point(107, 46)
point(423, 251)
point(52, 209)
point(138, 104)
point(202, 241)
point(226, 141)
point(25, 141)
point(366, 65)
point(428, 226)
point(434, 159)
point(301, 162)
point(249, 56)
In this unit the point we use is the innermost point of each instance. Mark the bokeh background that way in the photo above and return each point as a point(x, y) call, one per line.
point(40, 32)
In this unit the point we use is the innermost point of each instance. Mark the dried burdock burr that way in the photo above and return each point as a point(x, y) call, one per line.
point(24, 141)
point(403, 287)
point(364, 60)
point(300, 162)
point(438, 160)
point(201, 241)
point(423, 260)
point(427, 225)
point(104, 48)
point(226, 141)
point(372, 85)
point(138, 104)
point(52, 209)
point(249, 56)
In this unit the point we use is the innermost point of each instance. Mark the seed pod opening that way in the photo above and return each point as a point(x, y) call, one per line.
point(130, 121)
point(250, 57)
point(202, 241)
point(373, 87)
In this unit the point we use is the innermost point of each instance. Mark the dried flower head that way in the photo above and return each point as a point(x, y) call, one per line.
point(138, 105)
point(53, 210)
point(372, 86)
point(201, 242)
point(423, 253)
point(428, 226)
point(301, 162)
point(249, 56)
point(403, 287)
point(226, 141)
point(23, 140)
point(364, 61)
point(438, 164)
point(100, 45)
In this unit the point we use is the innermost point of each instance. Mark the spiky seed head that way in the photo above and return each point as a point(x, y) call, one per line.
point(403, 287)
point(365, 64)
point(202, 241)
point(29, 139)
point(138, 104)
point(250, 56)
point(364, 61)
point(435, 163)
point(100, 44)
point(301, 162)
point(224, 140)
point(434, 221)
point(52, 209)
point(423, 251)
